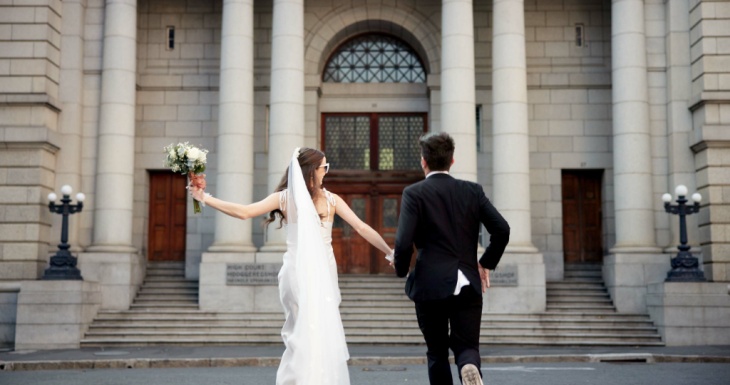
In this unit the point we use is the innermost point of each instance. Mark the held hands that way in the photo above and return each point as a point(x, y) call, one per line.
point(484, 275)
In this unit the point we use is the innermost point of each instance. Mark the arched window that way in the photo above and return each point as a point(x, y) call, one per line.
point(374, 58)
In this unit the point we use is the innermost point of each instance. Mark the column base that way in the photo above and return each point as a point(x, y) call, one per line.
point(279, 248)
point(55, 314)
point(232, 249)
point(519, 285)
point(111, 249)
point(118, 274)
point(216, 295)
point(627, 275)
point(690, 313)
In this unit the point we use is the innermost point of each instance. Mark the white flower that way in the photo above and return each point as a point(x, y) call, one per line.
point(203, 157)
point(194, 154)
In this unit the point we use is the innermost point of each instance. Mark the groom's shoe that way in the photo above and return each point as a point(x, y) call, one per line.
point(470, 375)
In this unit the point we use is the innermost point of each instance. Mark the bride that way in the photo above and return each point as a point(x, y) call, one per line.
point(316, 352)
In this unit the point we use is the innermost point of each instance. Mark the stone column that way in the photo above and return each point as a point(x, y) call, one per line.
point(511, 149)
point(634, 200)
point(70, 94)
point(232, 242)
point(286, 112)
point(112, 260)
point(235, 125)
point(115, 154)
point(511, 169)
point(635, 259)
point(458, 114)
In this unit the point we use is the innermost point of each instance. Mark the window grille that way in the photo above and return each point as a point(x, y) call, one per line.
point(374, 59)
point(390, 140)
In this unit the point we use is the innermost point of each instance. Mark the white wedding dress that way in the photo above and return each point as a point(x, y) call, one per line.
point(316, 352)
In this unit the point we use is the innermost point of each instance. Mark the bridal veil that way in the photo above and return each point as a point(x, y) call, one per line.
point(316, 351)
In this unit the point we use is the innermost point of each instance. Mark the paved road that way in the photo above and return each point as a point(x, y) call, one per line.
point(502, 374)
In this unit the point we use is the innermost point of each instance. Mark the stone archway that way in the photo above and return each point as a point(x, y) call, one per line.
point(411, 26)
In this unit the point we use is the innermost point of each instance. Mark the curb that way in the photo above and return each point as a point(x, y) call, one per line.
point(152, 363)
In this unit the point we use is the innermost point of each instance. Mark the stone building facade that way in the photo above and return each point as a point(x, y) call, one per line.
point(623, 98)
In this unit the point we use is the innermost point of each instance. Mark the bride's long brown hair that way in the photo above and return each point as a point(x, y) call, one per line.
point(309, 160)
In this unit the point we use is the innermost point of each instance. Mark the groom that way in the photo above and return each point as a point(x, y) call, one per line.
point(441, 215)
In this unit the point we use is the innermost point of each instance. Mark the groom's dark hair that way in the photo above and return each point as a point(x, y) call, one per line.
point(438, 150)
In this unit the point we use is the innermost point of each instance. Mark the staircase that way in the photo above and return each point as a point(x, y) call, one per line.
point(375, 311)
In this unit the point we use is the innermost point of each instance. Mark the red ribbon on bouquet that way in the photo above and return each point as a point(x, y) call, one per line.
point(197, 180)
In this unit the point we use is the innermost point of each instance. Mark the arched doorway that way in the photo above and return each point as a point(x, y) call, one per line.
point(374, 107)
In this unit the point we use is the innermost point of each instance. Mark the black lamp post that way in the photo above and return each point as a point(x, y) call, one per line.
point(685, 267)
point(63, 264)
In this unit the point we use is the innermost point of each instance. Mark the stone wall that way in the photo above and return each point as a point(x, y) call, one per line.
point(29, 81)
point(710, 53)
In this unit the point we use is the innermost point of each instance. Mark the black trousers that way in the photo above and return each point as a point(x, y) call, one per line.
point(463, 313)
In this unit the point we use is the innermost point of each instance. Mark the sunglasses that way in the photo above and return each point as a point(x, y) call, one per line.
point(326, 167)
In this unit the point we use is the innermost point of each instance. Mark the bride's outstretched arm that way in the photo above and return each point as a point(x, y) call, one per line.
point(237, 210)
point(362, 228)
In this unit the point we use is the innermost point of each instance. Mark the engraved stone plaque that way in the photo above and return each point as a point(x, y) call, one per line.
point(252, 274)
point(505, 275)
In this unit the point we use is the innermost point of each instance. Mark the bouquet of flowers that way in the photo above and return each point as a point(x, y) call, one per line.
point(188, 160)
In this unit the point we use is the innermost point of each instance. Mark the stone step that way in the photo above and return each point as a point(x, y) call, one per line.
point(164, 278)
point(369, 296)
point(166, 305)
point(177, 266)
point(100, 343)
point(579, 299)
point(582, 293)
point(584, 307)
point(165, 273)
point(167, 290)
point(583, 280)
point(564, 285)
point(170, 284)
point(583, 273)
point(373, 284)
point(376, 327)
point(146, 298)
point(166, 332)
point(583, 266)
point(372, 306)
point(382, 322)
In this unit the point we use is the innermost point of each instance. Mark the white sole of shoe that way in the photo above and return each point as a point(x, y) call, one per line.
point(470, 375)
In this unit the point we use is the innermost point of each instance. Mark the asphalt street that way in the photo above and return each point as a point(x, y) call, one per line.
point(494, 374)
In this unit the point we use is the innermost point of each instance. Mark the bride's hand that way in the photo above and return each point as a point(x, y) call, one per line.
point(196, 193)
point(197, 186)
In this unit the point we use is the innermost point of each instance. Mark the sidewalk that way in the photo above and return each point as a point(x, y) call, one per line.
point(230, 356)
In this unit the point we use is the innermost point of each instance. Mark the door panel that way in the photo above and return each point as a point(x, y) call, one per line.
point(386, 219)
point(167, 222)
point(582, 216)
point(347, 242)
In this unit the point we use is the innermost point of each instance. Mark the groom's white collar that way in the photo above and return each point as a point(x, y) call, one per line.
point(437, 172)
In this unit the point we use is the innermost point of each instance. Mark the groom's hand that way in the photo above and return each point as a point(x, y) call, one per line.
point(484, 275)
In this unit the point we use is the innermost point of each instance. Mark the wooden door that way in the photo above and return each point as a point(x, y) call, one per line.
point(168, 204)
point(352, 251)
point(582, 216)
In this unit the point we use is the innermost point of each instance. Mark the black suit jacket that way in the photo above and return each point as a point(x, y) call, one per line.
point(441, 216)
